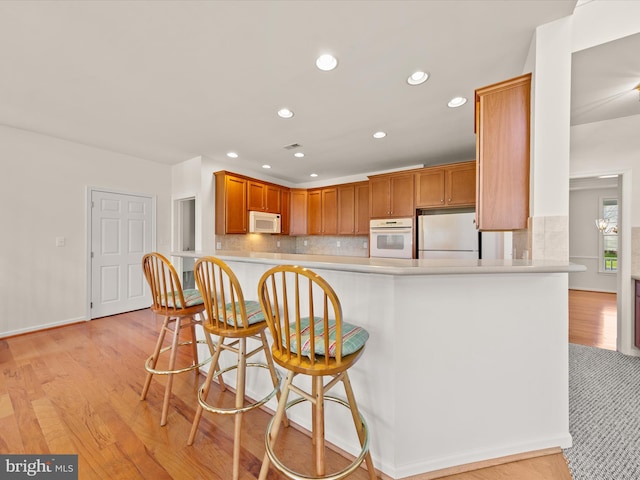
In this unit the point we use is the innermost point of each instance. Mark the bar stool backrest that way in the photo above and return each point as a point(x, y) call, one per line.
point(166, 289)
point(222, 294)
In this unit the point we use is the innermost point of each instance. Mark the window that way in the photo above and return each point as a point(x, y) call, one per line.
point(608, 244)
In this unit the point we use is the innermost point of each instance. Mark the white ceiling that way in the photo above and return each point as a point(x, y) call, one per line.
point(172, 80)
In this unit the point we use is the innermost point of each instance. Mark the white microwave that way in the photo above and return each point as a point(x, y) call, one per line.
point(263, 222)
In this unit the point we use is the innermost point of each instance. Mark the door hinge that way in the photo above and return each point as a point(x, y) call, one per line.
point(91, 254)
point(91, 305)
point(92, 204)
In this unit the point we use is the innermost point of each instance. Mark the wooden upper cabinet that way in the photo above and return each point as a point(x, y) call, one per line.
point(285, 211)
point(361, 209)
point(314, 212)
point(430, 185)
point(346, 209)
point(322, 208)
point(298, 212)
point(263, 197)
point(452, 185)
point(330, 211)
point(231, 203)
point(392, 195)
point(502, 124)
point(460, 184)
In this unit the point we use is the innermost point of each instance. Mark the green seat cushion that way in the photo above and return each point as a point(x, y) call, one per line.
point(353, 337)
point(254, 312)
point(191, 297)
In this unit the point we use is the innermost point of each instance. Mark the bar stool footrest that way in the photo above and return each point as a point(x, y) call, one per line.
point(148, 368)
point(293, 475)
point(246, 408)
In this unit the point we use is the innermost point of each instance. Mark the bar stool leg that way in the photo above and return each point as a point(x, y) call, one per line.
point(356, 420)
point(213, 366)
point(156, 355)
point(277, 421)
point(240, 386)
point(172, 366)
point(318, 427)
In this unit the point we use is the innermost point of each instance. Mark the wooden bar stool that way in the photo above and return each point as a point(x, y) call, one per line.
point(310, 338)
point(231, 317)
point(181, 309)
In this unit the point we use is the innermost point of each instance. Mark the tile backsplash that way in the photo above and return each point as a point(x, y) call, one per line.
point(351, 246)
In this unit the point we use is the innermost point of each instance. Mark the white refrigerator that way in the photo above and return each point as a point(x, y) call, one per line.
point(449, 235)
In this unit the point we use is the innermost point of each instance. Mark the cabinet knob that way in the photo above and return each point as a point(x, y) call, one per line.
point(449, 200)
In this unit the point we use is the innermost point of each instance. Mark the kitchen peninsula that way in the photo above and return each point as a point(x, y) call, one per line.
point(467, 360)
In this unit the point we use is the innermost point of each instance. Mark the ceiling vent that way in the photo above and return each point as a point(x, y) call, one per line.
point(292, 146)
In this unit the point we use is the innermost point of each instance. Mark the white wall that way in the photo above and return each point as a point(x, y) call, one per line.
point(584, 208)
point(43, 189)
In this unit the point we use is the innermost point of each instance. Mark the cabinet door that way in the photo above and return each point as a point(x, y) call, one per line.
point(461, 185)
point(502, 153)
point(346, 210)
point(361, 209)
point(379, 197)
point(402, 195)
point(430, 188)
point(256, 196)
point(231, 204)
point(314, 212)
point(285, 211)
point(329, 211)
point(272, 199)
point(298, 212)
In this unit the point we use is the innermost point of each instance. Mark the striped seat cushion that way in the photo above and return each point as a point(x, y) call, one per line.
point(353, 337)
point(254, 312)
point(191, 297)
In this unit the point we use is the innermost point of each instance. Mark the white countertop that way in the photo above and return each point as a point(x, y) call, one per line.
point(391, 266)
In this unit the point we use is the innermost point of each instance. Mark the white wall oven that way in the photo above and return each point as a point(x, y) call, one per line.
point(391, 238)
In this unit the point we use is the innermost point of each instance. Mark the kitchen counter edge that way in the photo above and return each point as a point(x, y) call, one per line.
point(391, 266)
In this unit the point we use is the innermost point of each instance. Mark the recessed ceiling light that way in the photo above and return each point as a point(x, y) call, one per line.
point(416, 78)
point(379, 134)
point(457, 102)
point(232, 155)
point(285, 113)
point(313, 175)
point(298, 154)
point(266, 166)
point(326, 62)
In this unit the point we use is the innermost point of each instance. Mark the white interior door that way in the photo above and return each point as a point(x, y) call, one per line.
point(121, 233)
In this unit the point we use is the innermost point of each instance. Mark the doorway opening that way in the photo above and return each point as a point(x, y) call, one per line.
point(184, 239)
point(594, 223)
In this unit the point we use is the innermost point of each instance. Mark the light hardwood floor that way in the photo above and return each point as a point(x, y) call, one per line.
point(76, 389)
point(593, 319)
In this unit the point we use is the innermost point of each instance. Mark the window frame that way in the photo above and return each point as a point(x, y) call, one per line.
point(601, 236)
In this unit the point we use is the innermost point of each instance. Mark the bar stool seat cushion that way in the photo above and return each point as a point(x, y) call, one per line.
point(252, 307)
point(191, 297)
point(353, 337)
